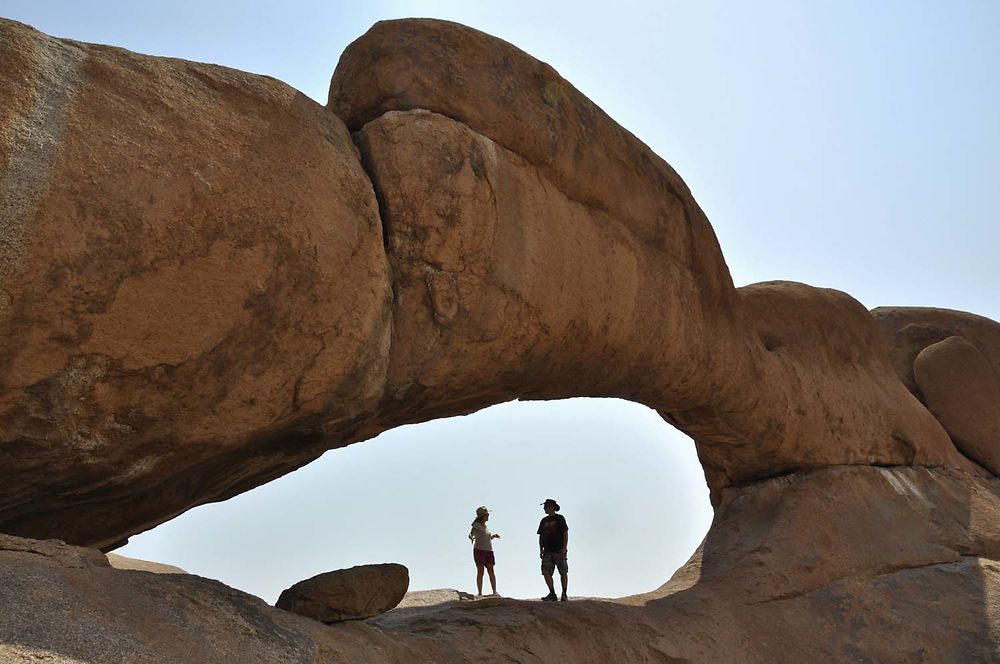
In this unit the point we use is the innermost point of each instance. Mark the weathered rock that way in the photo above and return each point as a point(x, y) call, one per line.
point(505, 287)
point(960, 387)
point(55, 551)
point(347, 594)
point(56, 612)
point(522, 104)
point(193, 291)
point(124, 562)
point(958, 355)
point(908, 330)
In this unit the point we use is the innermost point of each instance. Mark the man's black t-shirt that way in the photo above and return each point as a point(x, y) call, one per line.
point(553, 529)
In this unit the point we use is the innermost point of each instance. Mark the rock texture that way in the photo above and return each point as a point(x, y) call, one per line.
point(207, 280)
point(347, 594)
point(193, 292)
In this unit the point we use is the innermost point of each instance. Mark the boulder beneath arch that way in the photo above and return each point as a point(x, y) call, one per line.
point(363, 591)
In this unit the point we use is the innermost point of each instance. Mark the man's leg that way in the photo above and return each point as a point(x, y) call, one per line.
point(563, 566)
point(548, 567)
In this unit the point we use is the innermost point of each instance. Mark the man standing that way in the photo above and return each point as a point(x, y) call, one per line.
point(553, 542)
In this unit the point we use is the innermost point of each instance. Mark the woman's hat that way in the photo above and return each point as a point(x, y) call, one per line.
point(551, 501)
point(482, 511)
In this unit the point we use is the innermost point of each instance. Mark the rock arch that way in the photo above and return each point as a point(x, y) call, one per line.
point(209, 280)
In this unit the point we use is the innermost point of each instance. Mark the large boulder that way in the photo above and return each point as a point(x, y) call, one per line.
point(194, 297)
point(950, 360)
point(960, 387)
point(908, 330)
point(347, 594)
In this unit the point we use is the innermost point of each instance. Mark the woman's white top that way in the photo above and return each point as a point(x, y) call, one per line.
point(482, 537)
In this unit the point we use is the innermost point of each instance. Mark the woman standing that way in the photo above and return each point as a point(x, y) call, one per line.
point(482, 549)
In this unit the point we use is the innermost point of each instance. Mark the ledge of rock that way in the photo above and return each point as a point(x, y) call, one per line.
point(347, 594)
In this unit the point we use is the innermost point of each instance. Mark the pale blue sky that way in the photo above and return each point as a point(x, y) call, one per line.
point(845, 144)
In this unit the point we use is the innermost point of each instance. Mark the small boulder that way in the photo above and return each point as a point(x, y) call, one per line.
point(347, 594)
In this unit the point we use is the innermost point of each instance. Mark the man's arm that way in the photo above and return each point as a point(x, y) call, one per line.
point(541, 549)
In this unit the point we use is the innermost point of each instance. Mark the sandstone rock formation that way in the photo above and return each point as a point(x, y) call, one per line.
point(124, 562)
point(193, 292)
point(208, 279)
point(347, 594)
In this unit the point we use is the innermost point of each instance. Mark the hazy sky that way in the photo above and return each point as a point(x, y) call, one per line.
point(852, 145)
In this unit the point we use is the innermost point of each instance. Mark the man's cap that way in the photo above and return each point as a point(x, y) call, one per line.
point(481, 511)
point(551, 501)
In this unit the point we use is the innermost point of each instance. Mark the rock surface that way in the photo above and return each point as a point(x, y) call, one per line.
point(418, 599)
point(193, 291)
point(502, 289)
point(347, 594)
point(962, 390)
point(839, 565)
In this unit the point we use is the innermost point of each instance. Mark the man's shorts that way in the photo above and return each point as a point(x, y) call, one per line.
point(550, 561)
point(483, 558)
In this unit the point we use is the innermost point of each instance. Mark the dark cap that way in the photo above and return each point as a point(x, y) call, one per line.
point(551, 501)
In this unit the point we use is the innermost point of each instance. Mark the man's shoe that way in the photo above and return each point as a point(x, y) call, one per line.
point(564, 598)
point(551, 597)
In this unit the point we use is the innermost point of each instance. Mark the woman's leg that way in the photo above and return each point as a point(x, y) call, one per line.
point(479, 578)
point(493, 578)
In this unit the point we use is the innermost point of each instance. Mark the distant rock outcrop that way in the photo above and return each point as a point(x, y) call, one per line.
point(124, 562)
point(207, 280)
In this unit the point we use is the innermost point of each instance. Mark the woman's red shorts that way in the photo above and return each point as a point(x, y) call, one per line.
point(484, 558)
